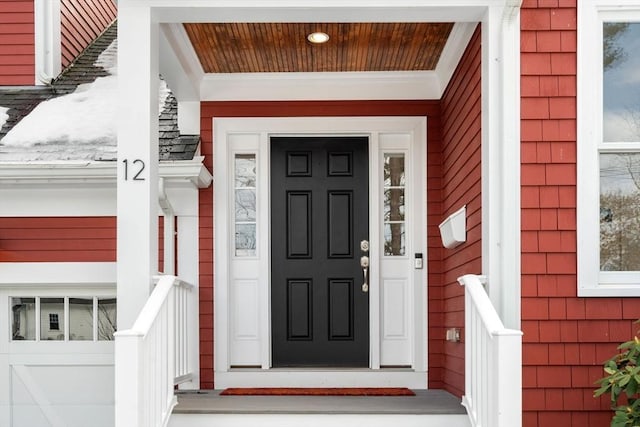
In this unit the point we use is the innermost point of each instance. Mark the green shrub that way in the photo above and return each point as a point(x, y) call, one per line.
point(622, 383)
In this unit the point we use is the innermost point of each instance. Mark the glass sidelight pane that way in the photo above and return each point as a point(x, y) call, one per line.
point(245, 239)
point(394, 172)
point(394, 203)
point(245, 170)
point(52, 319)
point(107, 324)
point(245, 205)
point(394, 239)
point(81, 319)
point(23, 319)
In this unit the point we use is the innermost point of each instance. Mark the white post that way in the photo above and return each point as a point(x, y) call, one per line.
point(137, 258)
point(128, 379)
point(188, 260)
point(501, 159)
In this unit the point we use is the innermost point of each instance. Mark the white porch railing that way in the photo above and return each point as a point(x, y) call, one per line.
point(152, 357)
point(493, 362)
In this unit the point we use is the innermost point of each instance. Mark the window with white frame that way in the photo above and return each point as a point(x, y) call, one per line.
point(609, 149)
point(35, 318)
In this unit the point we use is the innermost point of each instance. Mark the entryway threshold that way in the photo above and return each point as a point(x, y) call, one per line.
point(425, 402)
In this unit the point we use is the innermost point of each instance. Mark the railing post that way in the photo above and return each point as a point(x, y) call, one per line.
point(509, 382)
point(128, 380)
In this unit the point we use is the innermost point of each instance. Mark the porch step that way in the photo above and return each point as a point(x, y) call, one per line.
point(428, 408)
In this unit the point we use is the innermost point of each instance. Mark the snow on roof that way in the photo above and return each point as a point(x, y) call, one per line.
point(79, 125)
point(3, 116)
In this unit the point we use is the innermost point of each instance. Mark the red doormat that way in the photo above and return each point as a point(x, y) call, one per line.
point(281, 391)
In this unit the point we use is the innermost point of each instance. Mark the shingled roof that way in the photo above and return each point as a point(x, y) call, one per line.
point(21, 101)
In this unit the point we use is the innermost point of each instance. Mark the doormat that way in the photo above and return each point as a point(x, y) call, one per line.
point(305, 391)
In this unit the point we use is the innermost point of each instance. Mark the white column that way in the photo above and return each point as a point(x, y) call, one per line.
point(137, 206)
point(501, 160)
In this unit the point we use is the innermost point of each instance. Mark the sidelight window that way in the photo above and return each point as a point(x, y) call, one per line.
point(394, 204)
point(245, 205)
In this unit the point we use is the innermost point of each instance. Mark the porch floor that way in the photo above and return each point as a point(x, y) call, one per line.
point(425, 402)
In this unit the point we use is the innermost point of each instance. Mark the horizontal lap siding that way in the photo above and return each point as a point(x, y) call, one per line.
point(17, 42)
point(81, 21)
point(62, 239)
point(461, 185)
point(566, 338)
point(81, 239)
point(209, 110)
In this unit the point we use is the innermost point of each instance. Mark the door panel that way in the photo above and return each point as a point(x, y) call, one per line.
point(319, 213)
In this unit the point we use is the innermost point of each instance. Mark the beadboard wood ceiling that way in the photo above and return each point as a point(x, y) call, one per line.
point(283, 47)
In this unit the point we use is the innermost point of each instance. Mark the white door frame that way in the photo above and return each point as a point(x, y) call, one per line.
point(252, 135)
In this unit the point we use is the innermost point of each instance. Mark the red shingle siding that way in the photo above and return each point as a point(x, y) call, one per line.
point(461, 185)
point(431, 109)
point(47, 239)
point(566, 338)
point(17, 42)
point(81, 21)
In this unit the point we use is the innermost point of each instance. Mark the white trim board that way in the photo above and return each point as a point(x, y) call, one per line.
point(400, 134)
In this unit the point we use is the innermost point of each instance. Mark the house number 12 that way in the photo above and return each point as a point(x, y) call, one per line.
point(137, 166)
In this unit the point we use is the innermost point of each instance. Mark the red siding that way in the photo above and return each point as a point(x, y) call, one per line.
point(566, 338)
point(81, 21)
point(17, 43)
point(300, 109)
point(80, 239)
point(63, 239)
point(461, 185)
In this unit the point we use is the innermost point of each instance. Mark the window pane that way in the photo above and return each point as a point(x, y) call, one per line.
point(23, 319)
point(394, 204)
point(81, 319)
point(245, 170)
point(107, 324)
point(621, 82)
point(394, 239)
point(245, 239)
point(52, 319)
point(619, 208)
point(394, 170)
point(245, 205)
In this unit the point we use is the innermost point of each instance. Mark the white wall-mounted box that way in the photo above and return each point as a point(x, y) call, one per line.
point(453, 230)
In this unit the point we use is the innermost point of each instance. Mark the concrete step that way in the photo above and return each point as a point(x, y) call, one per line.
point(429, 408)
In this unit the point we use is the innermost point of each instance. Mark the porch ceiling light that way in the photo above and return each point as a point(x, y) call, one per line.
point(318, 37)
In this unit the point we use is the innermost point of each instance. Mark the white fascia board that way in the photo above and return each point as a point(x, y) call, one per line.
point(320, 86)
point(318, 10)
point(179, 64)
point(65, 172)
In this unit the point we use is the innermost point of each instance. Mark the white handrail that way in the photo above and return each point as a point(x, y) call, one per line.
point(152, 357)
point(493, 362)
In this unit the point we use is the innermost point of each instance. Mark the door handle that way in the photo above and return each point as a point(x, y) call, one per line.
point(364, 263)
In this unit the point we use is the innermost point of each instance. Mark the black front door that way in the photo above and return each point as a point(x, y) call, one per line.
point(319, 216)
